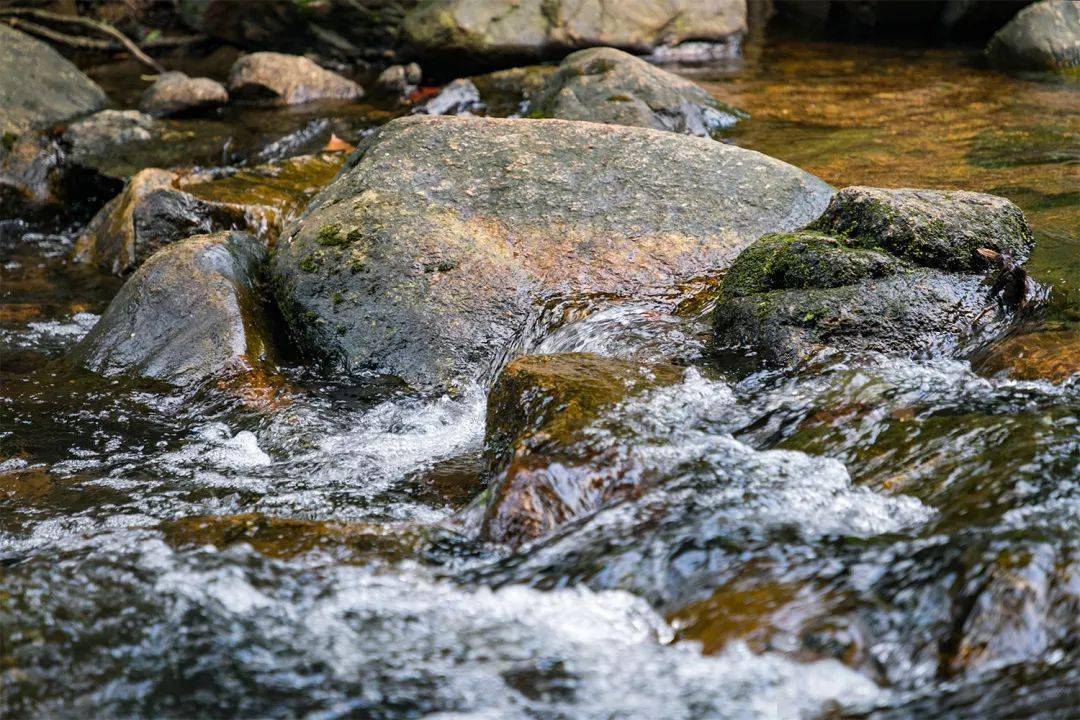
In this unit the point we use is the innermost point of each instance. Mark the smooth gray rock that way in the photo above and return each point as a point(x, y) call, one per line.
point(174, 93)
point(1043, 36)
point(610, 86)
point(192, 312)
point(425, 258)
point(38, 86)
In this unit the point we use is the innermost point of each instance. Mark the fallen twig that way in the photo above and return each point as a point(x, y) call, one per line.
point(101, 27)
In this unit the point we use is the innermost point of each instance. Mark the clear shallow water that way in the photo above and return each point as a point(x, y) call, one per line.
point(857, 538)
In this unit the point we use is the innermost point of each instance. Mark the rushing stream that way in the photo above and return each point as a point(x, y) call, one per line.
point(883, 539)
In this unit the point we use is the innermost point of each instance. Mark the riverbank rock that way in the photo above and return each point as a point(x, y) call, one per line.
point(1043, 36)
point(610, 86)
point(193, 311)
point(427, 255)
point(894, 271)
point(277, 79)
point(459, 97)
point(545, 467)
point(174, 93)
point(500, 30)
point(158, 208)
point(39, 86)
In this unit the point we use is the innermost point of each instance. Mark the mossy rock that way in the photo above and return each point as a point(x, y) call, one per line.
point(803, 260)
point(289, 537)
point(543, 467)
point(940, 229)
point(891, 271)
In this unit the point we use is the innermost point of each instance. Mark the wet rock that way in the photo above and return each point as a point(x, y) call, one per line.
point(1043, 36)
point(459, 97)
point(398, 79)
point(507, 29)
point(425, 259)
point(609, 86)
point(942, 229)
point(109, 239)
point(96, 141)
point(159, 207)
point(191, 312)
point(278, 79)
point(272, 193)
point(39, 87)
point(545, 467)
point(893, 271)
point(174, 93)
point(289, 537)
point(25, 166)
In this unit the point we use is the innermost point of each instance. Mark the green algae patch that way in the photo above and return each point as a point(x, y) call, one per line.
point(802, 260)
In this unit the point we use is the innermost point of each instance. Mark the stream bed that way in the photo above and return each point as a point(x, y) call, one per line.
point(892, 539)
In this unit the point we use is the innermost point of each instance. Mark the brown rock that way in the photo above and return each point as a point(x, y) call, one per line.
point(278, 79)
point(174, 93)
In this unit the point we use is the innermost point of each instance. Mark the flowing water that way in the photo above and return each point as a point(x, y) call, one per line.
point(877, 538)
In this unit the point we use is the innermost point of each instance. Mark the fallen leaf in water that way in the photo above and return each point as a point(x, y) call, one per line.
point(336, 144)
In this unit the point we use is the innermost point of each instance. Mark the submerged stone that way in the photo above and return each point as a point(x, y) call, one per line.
point(426, 257)
point(279, 79)
point(610, 86)
point(1042, 36)
point(544, 467)
point(39, 86)
point(487, 29)
point(1052, 355)
point(193, 311)
point(289, 537)
point(174, 93)
point(902, 272)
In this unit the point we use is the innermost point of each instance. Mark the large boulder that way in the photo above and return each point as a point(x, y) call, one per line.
point(1043, 36)
point(506, 29)
point(426, 258)
point(192, 312)
point(174, 93)
point(545, 466)
point(39, 87)
point(610, 86)
point(279, 79)
point(903, 272)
